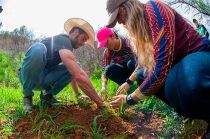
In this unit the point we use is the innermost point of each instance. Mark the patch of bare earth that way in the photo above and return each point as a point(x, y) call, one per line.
point(111, 127)
point(132, 126)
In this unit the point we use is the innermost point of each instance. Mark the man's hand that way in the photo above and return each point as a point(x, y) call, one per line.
point(118, 101)
point(123, 89)
point(80, 76)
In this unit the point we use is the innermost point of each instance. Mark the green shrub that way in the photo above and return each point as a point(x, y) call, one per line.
point(9, 70)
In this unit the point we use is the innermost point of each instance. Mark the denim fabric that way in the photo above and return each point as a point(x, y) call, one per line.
point(34, 76)
point(131, 65)
point(119, 73)
point(140, 76)
point(187, 86)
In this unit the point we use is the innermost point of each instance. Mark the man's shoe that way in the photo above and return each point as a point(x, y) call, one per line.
point(48, 98)
point(27, 104)
point(207, 134)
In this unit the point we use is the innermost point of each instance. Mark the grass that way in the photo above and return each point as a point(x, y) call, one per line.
point(122, 109)
point(11, 111)
point(96, 130)
point(69, 124)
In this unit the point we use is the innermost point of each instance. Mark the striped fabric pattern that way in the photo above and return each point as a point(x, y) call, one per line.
point(167, 43)
point(163, 31)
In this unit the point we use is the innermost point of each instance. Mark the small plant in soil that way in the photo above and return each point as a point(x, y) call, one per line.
point(122, 109)
point(85, 103)
point(68, 125)
point(96, 131)
point(107, 113)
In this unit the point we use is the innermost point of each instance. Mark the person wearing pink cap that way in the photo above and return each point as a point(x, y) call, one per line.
point(173, 53)
point(118, 61)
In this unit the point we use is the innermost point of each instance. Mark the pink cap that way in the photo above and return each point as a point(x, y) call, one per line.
point(103, 35)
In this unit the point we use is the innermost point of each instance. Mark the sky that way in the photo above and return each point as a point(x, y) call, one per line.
point(47, 17)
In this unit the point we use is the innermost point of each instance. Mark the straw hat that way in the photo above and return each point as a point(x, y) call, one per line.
point(84, 25)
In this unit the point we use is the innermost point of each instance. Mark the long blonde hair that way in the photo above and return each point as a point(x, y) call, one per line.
point(140, 33)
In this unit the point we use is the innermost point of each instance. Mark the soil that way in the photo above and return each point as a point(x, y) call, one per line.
point(132, 126)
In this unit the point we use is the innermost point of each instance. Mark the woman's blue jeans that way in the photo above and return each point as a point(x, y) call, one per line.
point(34, 76)
point(187, 87)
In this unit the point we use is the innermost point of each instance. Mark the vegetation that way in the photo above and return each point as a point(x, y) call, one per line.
point(200, 8)
point(11, 110)
point(9, 69)
point(15, 43)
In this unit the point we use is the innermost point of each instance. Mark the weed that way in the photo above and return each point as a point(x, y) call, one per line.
point(96, 131)
point(107, 113)
point(124, 135)
point(69, 124)
point(11, 109)
point(85, 103)
point(122, 109)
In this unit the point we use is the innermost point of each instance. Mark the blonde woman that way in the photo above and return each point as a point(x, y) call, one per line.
point(175, 56)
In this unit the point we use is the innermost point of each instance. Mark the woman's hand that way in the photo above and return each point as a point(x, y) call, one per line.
point(118, 101)
point(123, 89)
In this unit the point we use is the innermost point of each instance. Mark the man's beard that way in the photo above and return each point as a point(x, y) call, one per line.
point(74, 42)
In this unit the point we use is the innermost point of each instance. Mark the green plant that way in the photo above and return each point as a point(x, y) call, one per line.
point(42, 107)
point(57, 136)
point(69, 124)
point(37, 127)
point(96, 131)
point(7, 128)
point(85, 103)
point(11, 110)
point(8, 71)
point(97, 74)
point(107, 113)
point(124, 135)
point(122, 109)
point(192, 126)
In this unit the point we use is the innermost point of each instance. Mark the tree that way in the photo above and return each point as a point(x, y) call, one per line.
point(22, 38)
point(0, 25)
point(1, 9)
point(200, 8)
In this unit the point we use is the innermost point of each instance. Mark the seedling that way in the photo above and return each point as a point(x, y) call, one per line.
point(122, 109)
point(67, 125)
point(96, 131)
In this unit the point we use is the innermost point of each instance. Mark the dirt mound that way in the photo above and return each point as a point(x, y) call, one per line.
point(88, 122)
point(72, 122)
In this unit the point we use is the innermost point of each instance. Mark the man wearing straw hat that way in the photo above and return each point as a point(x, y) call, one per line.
point(50, 65)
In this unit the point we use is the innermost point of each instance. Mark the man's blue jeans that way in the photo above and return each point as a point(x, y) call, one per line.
point(34, 76)
point(187, 87)
point(119, 73)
